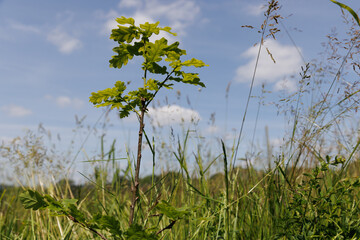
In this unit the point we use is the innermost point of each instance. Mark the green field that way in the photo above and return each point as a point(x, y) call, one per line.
point(309, 188)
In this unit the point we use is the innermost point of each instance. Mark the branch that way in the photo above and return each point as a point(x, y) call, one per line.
point(161, 85)
point(167, 227)
point(85, 226)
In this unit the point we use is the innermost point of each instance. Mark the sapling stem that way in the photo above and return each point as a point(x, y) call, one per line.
point(135, 186)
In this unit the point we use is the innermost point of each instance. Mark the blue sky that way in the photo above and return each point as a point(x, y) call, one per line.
point(53, 54)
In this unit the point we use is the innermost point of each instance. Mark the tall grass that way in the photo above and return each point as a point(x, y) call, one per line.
point(310, 189)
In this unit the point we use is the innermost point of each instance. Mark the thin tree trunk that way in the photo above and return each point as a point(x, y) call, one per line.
point(135, 185)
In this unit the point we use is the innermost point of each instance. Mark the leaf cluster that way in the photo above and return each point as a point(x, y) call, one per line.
point(172, 212)
point(159, 58)
point(32, 199)
point(322, 208)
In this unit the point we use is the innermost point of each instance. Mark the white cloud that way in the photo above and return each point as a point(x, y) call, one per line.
point(172, 114)
point(65, 43)
point(77, 103)
point(130, 3)
point(177, 14)
point(212, 129)
point(288, 85)
point(276, 142)
point(15, 110)
point(65, 101)
point(25, 28)
point(180, 13)
point(110, 22)
point(288, 62)
point(255, 10)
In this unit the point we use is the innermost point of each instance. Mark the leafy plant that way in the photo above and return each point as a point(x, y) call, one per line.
point(160, 59)
point(323, 208)
point(135, 41)
point(290, 201)
point(66, 207)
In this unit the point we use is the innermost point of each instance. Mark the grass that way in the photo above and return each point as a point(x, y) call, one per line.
point(310, 189)
point(244, 203)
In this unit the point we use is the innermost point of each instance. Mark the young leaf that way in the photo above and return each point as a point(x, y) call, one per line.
point(149, 29)
point(123, 20)
point(194, 62)
point(32, 200)
point(154, 51)
point(152, 85)
point(168, 29)
point(125, 53)
point(125, 34)
point(192, 78)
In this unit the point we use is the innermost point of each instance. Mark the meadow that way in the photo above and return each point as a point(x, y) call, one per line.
point(307, 189)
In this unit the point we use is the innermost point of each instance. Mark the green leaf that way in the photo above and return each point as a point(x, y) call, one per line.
point(123, 20)
point(125, 34)
point(136, 232)
point(173, 52)
point(109, 96)
point(152, 85)
point(172, 212)
point(124, 113)
point(134, 50)
point(68, 202)
point(156, 68)
point(123, 55)
point(194, 62)
point(192, 78)
point(150, 28)
point(54, 205)
point(155, 51)
point(32, 200)
point(168, 86)
point(352, 12)
point(120, 86)
point(73, 211)
point(168, 29)
point(109, 223)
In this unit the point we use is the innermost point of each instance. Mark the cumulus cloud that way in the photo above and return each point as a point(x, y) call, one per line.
point(177, 14)
point(65, 101)
point(172, 114)
point(63, 41)
point(287, 58)
point(15, 110)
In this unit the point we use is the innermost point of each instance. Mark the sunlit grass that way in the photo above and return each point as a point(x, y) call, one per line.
point(309, 189)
